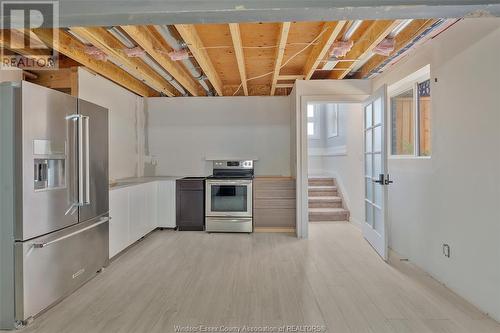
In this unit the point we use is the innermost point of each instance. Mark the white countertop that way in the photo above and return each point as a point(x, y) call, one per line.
point(125, 182)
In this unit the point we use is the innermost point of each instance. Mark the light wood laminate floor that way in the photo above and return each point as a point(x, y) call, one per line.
point(333, 279)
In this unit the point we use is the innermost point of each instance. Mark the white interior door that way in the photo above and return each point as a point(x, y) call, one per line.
point(375, 156)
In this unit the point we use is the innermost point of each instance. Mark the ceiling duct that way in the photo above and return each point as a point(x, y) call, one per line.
point(134, 52)
point(342, 47)
point(178, 46)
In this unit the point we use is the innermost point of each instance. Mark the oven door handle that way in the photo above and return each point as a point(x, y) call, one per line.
point(229, 182)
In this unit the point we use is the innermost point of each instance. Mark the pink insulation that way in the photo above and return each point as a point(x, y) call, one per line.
point(135, 52)
point(179, 55)
point(95, 53)
point(385, 47)
point(340, 48)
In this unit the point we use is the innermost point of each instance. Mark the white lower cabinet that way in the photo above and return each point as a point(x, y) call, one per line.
point(139, 209)
point(166, 204)
point(119, 233)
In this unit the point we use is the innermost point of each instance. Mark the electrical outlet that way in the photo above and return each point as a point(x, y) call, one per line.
point(446, 250)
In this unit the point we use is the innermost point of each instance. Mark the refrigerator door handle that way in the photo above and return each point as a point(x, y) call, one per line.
point(83, 161)
point(45, 244)
point(86, 192)
point(75, 120)
point(80, 161)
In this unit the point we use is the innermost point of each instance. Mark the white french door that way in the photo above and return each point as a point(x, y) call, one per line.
point(376, 177)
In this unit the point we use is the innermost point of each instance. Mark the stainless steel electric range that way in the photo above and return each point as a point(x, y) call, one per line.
point(229, 198)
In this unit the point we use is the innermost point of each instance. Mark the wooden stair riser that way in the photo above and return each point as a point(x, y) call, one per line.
point(325, 204)
point(321, 182)
point(343, 216)
point(323, 192)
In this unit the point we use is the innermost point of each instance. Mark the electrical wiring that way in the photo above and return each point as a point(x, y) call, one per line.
point(285, 63)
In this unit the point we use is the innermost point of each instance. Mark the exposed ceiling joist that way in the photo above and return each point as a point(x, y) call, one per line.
point(234, 28)
point(103, 40)
point(14, 40)
point(284, 85)
point(402, 39)
point(74, 49)
point(331, 30)
point(375, 33)
point(291, 77)
point(146, 39)
point(193, 41)
point(285, 28)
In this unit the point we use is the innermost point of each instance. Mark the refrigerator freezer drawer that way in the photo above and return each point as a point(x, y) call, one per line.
point(51, 267)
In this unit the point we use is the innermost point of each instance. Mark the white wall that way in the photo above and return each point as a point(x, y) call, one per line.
point(13, 74)
point(183, 132)
point(126, 123)
point(454, 197)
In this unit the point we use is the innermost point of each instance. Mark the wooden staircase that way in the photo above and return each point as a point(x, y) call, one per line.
point(325, 202)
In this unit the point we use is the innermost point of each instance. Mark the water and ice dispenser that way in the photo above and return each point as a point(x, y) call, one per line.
point(49, 165)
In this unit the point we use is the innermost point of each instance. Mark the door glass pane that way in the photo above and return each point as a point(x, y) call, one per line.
point(229, 198)
point(377, 111)
point(377, 138)
point(377, 194)
point(369, 189)
point(368, 141)
point(424, 117)
point(377, 220)
point(310, 129)
point(377, 165)
point(310, 111)
point(369, 213)
point(368, 116)
point(368, 165)
point(402, 124)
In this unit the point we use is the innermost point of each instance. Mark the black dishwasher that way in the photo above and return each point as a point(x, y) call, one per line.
point(190, 204)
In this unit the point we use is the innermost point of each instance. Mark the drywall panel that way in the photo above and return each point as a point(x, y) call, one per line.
point(454, 196)
point(126, 122)
point(352, 90)
point(14, 74)
point(183, 132)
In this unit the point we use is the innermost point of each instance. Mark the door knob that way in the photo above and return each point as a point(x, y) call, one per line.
point(380, 179)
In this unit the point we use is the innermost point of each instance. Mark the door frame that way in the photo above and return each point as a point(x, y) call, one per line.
point(302, 169)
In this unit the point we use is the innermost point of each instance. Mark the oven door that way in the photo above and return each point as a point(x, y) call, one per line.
point(227, 197)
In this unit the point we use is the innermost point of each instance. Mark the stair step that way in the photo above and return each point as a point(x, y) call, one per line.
point(321, 191)
point(328, 214)
point(319, 181)
point(325, 202)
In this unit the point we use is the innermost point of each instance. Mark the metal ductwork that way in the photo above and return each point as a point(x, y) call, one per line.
point(178, 45)
point(414, 41)
point(125, 40)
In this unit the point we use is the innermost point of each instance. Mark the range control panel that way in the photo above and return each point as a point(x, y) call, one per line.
point(246, 164)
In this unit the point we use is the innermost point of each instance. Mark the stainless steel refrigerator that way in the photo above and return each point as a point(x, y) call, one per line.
point(53, 197)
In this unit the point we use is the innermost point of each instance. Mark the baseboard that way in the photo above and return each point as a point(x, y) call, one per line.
point(275, 229)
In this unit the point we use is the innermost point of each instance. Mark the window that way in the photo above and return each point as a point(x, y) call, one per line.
point(332, 120)
point(312, 121)
point(424, 117)
point(403, 123)
point(411, 119)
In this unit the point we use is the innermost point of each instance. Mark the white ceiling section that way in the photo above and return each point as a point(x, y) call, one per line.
point(129, 12)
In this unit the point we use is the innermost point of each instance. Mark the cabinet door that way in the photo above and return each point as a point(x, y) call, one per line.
point(137, 211)
point(151, 206)
point(119, 225)
point(166, 204)
point(190, 210)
